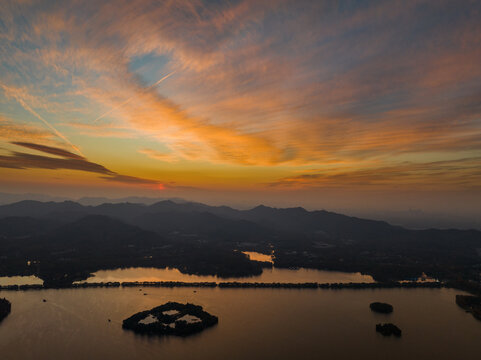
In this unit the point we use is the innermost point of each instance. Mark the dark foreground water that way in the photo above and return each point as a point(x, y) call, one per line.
point(253, 324)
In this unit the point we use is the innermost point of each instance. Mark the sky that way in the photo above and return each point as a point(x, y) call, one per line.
point(325, 104)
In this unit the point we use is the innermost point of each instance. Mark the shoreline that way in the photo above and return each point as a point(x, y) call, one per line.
point(236, 285)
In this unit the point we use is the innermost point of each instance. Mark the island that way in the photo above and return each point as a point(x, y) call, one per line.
point(388, 329)
point(171, 318)
point(5, 308)
point(471, 304)
point(380, 307)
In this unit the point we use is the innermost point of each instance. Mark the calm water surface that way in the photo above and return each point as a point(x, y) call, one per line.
point(253, 324)
point(256, 256)
point(269, 275)
point(20, 280)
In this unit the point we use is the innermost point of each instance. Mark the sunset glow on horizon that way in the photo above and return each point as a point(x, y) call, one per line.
point(291, 100)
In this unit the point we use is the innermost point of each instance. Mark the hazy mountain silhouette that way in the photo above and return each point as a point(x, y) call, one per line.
point(19, 226)
point(167, 216)
point(74, 239)
point(39, 209)
point(94, 201)
point(95, 230)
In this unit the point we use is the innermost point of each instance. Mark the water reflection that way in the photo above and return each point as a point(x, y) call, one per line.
point(269, 275)
point(20, 280)
point(253, 324)
point(255, 256)
point(422, 278)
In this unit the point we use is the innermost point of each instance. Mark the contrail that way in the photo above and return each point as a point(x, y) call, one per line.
point(34, 113)
point(133, 97)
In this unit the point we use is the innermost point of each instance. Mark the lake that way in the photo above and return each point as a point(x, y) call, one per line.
point(269, 275)
point(20, 280)
point(256, 256)
point(253, 324)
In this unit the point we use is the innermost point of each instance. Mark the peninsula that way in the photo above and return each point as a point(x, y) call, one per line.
point(471, 304)
point(5, 308)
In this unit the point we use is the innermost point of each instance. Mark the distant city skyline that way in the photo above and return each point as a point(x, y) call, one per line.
point(323, 104)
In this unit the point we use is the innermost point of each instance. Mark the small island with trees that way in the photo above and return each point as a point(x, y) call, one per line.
point(5, 308)
point(388, 330)
point(380, 307)
point(171, 318)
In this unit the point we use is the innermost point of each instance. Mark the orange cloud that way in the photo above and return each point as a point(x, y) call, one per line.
point(157, 155)
point(11, 130)
point(438, 174)
point(103, 130)
point(295, 85)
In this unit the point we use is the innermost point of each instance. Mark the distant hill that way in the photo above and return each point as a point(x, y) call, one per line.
point(18, 226)
point(167, 216)
point(130, 199)
point(7, 198)
point(198, 238)
point(412, 219)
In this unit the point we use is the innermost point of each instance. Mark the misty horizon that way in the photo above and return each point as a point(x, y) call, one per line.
point(409, 217)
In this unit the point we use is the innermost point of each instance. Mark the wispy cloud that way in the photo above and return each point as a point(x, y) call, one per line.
point(11, 130)
point(133, 97)
point(103, 130)
point(295, 84)
point(17, 94)
point(49, 150)
point(157, 155)
point(132, 180)
point(437, 174)
point(20, 160)
point(65, 160)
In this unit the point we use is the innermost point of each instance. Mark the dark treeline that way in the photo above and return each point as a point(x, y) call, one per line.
point(469, 286)
point(309, 285)
point(471, 304)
